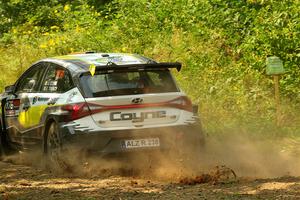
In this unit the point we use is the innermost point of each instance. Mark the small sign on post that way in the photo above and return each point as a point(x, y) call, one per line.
point(275, 68)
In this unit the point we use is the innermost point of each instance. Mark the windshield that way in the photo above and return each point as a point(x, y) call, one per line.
point(128, 83)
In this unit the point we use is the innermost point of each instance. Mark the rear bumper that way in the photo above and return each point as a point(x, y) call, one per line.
point(111, 142)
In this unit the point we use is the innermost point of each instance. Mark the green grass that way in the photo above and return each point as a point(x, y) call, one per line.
point(222, 45)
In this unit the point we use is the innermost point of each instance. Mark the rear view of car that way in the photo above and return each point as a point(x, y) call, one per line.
point(136, 99)
point(106, 103)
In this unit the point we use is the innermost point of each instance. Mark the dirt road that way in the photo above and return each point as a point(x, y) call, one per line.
point(22, 178)
point(26, 182)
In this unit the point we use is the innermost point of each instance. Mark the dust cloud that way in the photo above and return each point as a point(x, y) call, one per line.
point(251, 157)
point(246, 156)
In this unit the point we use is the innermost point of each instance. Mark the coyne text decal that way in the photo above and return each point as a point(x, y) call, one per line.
point(134, 117)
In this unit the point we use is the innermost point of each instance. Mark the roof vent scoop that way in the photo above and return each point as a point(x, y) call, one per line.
point(104, 55)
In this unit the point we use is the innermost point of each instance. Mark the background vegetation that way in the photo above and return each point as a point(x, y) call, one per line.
point(222, 44)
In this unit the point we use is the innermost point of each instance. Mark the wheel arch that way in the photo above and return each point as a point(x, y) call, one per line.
point(5, 144)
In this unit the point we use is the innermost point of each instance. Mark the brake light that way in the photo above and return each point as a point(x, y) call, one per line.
point(183, 103)
point(84, 109)
point(76, 111)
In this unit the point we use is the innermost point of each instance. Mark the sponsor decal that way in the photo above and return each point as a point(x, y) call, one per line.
point(135, 117)
point(52, 101)
point(71, 96)
point(137, 100)
point(30, 115)
point(39, 99)
point(34, 100)
point(115, 59)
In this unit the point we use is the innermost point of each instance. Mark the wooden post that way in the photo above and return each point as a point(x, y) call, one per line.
point(277, 100)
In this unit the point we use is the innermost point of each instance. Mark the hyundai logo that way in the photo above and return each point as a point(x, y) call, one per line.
point(137, 100)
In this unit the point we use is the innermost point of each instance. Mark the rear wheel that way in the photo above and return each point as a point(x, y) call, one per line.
point(54, 150)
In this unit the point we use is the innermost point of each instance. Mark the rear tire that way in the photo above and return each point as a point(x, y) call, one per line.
point(55, 160)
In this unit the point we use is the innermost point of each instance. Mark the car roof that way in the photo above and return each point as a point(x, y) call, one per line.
point(81, 62)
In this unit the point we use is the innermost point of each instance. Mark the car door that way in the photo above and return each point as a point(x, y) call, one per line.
point(18, 104)
point(34, 103)
point(56, 81)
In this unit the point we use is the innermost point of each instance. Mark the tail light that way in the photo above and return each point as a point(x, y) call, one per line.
point(183, 103)
point(77, 110)
point(80, 110)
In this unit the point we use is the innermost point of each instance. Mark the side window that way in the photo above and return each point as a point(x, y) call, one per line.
point(29, 82)
point(57, 80)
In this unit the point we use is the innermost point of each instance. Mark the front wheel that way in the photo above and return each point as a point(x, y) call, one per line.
point(1, 147)
point(5, 147)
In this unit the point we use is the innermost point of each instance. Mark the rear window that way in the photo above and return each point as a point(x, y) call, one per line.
point(127, 83)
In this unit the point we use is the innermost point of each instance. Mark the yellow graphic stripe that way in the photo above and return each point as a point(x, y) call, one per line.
point(32, 116)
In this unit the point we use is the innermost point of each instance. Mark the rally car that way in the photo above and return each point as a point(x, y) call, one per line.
point(102, 102)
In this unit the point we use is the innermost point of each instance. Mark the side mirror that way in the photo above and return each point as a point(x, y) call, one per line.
point(9, 89)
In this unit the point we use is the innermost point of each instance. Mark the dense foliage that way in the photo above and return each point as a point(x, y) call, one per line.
point(223, 45)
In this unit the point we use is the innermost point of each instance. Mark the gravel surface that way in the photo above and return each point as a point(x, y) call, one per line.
point(25, 182)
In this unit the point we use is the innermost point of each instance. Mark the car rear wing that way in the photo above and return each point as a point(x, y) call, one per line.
point(166, 65)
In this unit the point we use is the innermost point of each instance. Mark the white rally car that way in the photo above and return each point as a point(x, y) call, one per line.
point(102, 102)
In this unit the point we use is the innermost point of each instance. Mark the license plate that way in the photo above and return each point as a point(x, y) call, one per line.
point(140, 143)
